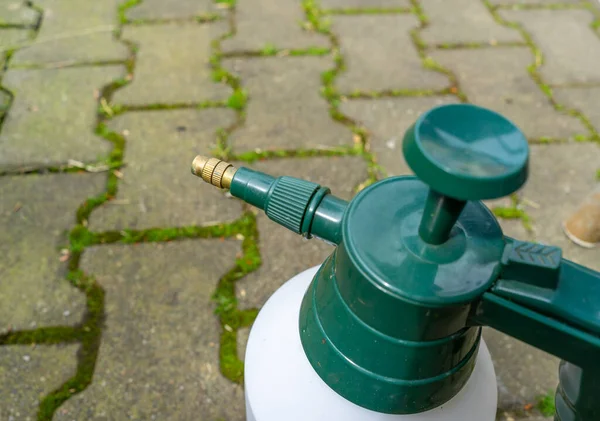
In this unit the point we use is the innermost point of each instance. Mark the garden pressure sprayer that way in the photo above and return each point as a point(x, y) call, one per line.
point(389, 326)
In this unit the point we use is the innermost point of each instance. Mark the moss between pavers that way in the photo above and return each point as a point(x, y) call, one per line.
point(533, 70)
point(270, 50)
point(546, 404)
point(515, 211)
point(368, 11)
point(429, 62)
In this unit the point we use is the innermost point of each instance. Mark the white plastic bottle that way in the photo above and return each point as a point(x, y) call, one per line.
point(281, 385)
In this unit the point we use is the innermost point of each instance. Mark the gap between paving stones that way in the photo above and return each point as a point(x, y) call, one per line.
point(538, 62)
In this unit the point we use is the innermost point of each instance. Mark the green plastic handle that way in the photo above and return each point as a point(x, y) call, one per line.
point(552, 304)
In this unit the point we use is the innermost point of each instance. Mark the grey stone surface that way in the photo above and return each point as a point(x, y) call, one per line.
point(157, 189)
point(242, 342)
point(560, 178)
point(15, 12)
point(172, 64)
point(155, 359)
point(380, 54)
point(285, 254)
point(570, 47)
point(285, 109)
point(161, 9)
point(463, 21)
point(29, 374)
point(364, 4)
point(12, 38)
point(584, 99)
point(523, 372)
point(57, 125)
point(36, 213)
point(386, 120)
point(497, 78)
point(283, 30)
point(74, 31)
point(516, 3)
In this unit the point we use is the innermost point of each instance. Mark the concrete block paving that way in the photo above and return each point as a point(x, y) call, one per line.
point(128, 287)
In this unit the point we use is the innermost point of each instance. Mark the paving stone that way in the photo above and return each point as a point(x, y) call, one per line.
point(242, 342)
point(570, 47)
point(285, 254)
point(71, 32)
point(12, 38)
point(463, 21)
point(29, 374)
point(527, 2)
point(380, 54)
point(156, 360)
point(57, 125)
point(584, 99)
point(15, 12)
point(285, 109)
point(165, 74)
point(557, 186)
point(387, 119)
point(523, 372)
point(36, 213)
point(364, 4)
point(497, 78)
point(157, 189)
point(263, 23)
point(160, 9)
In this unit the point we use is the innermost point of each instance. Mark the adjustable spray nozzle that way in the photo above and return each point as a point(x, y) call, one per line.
point(299, 205)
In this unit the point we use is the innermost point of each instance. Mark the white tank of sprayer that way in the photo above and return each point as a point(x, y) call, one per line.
point(281, 384)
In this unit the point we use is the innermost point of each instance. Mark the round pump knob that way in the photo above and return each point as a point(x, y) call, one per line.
point(463, 152)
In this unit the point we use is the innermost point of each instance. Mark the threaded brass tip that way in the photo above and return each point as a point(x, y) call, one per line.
point(214, 171)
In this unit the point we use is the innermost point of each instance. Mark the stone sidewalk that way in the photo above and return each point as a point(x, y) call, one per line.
point(127, 286)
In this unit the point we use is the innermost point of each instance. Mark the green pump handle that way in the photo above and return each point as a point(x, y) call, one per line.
point(464, 154)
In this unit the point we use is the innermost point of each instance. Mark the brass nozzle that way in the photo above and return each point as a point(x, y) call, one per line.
point(214, 171)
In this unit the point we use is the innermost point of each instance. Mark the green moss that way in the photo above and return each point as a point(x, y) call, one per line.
point(367, 11)
point(260, 155)
point(226, 3)
point(238, 100)
point(123, 7)
point(269, 50)
point(546, 405)
point(598, 175)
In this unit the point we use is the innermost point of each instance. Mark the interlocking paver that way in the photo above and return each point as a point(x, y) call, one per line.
point(57, 125)
point(364, 4)
point(74, 31)
point(172, 64)
point(570, 47)
point(380, 54)
point(283, 29)
point(497, 78)
point(285, 109)
point(12, 38)
point(155, 190)
point(387, 119)
point(285, 254)
point(523, 372)
point(30, 373)
point(159, 353)
point(15, 12)
point(36, 213)
point(528, 2)
point(561, 176)
point(161, 9)
point(463, 21)
point(585, 99)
